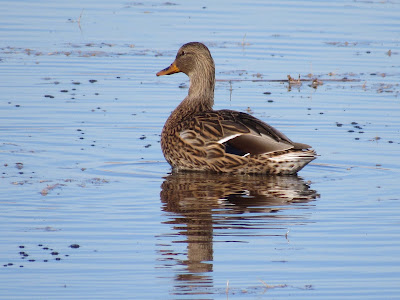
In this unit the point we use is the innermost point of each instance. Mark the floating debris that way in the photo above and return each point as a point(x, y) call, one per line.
point(41, 254)
point(293, 81)
point(45, 191)
point(315, 83)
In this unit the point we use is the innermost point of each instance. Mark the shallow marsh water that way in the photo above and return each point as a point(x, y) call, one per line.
point(81, 112)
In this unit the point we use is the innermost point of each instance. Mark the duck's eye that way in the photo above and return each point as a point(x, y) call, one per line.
point(182, 53)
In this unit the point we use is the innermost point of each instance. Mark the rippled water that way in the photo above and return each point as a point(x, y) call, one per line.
point(88, 207)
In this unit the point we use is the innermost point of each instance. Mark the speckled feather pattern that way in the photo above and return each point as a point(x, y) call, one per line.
point(193, 145)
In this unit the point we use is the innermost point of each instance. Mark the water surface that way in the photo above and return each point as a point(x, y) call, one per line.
point(81, 115)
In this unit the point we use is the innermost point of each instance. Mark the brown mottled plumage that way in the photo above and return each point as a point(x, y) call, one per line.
point(198, 138)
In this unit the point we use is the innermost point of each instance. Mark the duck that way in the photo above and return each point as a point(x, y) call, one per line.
point(197, 138)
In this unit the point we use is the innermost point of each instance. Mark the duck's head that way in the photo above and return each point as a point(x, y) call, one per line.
point(192, 58)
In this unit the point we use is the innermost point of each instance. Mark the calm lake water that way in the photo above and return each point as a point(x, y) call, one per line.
point(88, 207)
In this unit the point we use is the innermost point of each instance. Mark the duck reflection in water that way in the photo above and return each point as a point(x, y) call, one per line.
point(233, 206)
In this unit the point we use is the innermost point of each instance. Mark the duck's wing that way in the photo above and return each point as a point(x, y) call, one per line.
point(236, 133)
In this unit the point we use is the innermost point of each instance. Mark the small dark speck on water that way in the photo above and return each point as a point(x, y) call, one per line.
point(21, 246)
point(92, 80)
point(64, 91)
point(350, 131)
point(49, 96)
point(76, 82)
point(270, 101)
point(267, 93)
point(147, 146)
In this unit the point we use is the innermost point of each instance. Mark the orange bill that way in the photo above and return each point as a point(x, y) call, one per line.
point(170, 70)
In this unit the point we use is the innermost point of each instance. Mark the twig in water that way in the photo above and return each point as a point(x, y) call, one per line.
point(266, 285)
point(230, 91)
point(79, 20)
point(243, 41)
point(272, 286)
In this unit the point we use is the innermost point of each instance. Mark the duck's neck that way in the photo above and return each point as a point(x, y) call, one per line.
point(201, 90)
point(200, 97)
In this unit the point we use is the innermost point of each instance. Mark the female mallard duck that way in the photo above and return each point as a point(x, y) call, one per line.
point(198, 138)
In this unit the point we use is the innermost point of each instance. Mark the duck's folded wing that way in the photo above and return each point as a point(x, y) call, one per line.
point(236, 132)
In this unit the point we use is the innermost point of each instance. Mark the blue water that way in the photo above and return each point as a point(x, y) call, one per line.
point(81, 113)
